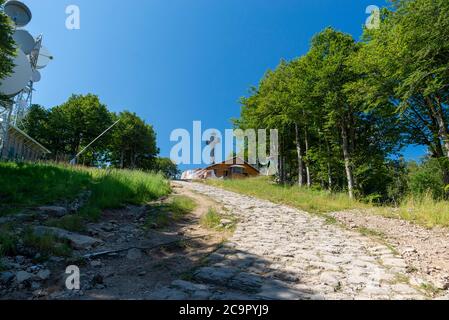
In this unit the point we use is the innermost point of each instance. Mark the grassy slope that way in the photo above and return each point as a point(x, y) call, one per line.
point(31, 185)
point(425, 211)
point(304, 199)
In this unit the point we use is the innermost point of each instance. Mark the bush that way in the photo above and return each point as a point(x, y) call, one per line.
point(427, 179)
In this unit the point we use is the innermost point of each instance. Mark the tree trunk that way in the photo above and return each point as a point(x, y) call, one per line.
point(281, 170)
point(443, 132)
point(329, 167)
point(300, 160)
point(306, 139)
point(347, 158)
point(281, 162)
point(122, 160)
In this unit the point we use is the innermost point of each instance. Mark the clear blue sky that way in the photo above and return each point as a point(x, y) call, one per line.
point(176, 61)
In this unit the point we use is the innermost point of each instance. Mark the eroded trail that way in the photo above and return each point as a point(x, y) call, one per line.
point(278, 252)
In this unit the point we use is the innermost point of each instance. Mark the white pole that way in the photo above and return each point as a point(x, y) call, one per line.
point(73, 161)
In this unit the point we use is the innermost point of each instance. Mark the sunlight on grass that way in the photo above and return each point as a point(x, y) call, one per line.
point(424, 211)
point(162, 215)
point(302, 198)
point(180, 206)
point(211, 219)
point(114, 188)
point(27, 185)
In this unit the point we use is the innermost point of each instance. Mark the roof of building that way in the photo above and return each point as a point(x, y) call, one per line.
point(234, 162)
point(45, 150)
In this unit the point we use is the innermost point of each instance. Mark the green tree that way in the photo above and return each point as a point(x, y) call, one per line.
point(166, 167)
point(78, 122)
point(328, 135)
point(66, 129)
point(426, 178)
point(133, 142)
point(405, 63)
point(35, 124)
point(7, 48)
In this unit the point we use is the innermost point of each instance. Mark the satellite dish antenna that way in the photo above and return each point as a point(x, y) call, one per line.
point(19, 13)
point(19, 78)
point(44, 58)
point(24, 40)
point(36, 77)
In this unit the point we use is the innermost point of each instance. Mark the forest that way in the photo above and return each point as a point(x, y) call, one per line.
point(346, 109)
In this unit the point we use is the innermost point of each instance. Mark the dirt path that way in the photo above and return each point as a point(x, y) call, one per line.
point(281, 253)
point(136, 274)
point(131, 273)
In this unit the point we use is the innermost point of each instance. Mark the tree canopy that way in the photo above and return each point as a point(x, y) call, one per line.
point(7, 48)
point(346, 108)
point(70, 127)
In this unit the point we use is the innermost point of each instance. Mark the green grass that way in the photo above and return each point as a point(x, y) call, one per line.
point(425, 211)
point(181, 205)
point(313, 201)
point(211, 219)
point(74, 223)
point(430, 289)
point(26, 185)
point(114, 188)
point(47, 244)
point(162, 215)
point(8, 242)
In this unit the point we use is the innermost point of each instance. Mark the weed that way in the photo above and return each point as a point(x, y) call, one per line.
point(211, 219)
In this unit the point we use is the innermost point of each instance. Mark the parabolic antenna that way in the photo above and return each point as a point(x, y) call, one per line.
point(18, 12)
point(36, 77)
point(19, 78)
point(44, 58)
point(24, 40)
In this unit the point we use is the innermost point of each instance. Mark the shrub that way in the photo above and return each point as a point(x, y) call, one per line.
point(426, 179)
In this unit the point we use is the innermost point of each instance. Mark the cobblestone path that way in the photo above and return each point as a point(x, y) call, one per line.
point(278, 252)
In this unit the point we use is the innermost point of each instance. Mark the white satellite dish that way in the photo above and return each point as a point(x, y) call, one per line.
point(18, 12)
point(24, 40)
point(19, 78)
point(44, 58)
point(36, 77)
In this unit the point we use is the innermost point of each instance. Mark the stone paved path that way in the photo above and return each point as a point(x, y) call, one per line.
point(278, 252)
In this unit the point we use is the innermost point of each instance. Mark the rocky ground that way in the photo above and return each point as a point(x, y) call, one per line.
point(426, 251)
point(135, 259)
point(275, 252)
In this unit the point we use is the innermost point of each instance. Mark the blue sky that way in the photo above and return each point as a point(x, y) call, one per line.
point(176, 61)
